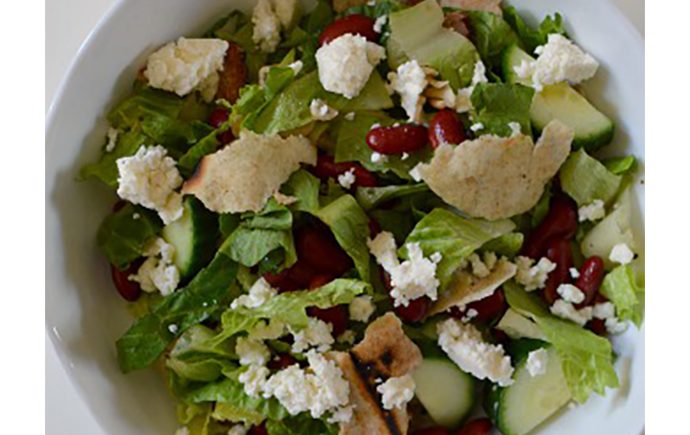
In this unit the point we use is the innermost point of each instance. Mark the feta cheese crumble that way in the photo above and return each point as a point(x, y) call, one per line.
point(158, 272)
point(259, 293)
point(481, 268)
point(515, 129)
point(345, 64)
point(347, 179)
point(267, 330)
point(574, 273)
point(465, 346)
point(238, 429)
point(321, 111)
point(254, 379)
point(266, 29)
point(149, 178)
point(415, 173)
point(462, 100)
point(317, 334)
point(559, 60)
point(566, 310)
point(604, 310)
point(379, 23)
point(112, 135)
point(173, 328)
point(396, 392)
point(378, 157)
point(252, 352)
point(361, 308)
point(536, 362)
point(533, 277)
point(570, 293)
point(615, 326)
point(411, 279)
point(621, 253)
point(592, 212)
point(409, 82)
point(476, 127)
point(187, 65)
point(350, 116)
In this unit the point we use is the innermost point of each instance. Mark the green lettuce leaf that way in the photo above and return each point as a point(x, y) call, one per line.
point(105, 169)
point(585, 179)
point(149, 336)
point(191, 359)
point(620, 165)
point(454, 237)
point(497, 104)
point(532, 38)
point(370, 197)
point(491, 35)
point(621, 288)
point(587, 359)
point(145, 103)
point(507, 244)
point(122, 238)
point(305, 187)
point(419, 33)
point(299, 425)
point(191, 158)
point(350, 226)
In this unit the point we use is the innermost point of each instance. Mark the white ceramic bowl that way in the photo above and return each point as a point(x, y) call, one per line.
point(84, 315)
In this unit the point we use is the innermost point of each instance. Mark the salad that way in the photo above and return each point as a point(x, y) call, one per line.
point(379, 217)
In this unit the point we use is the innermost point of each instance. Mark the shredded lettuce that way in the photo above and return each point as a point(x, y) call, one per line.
point(507, 244)
point(587, 359)
point(454, 237)
point(585, 179)
point(621, 288)
point(122, 238)
point(305, 187)
point(418, 31)
point(105, 169)
point(620, 165)
point(491, 35)
point(370, 197)
point(149, 336)
point(350, 226)
point(191, 359)
point(301, 424)
point(495, 105)
point(532, 38)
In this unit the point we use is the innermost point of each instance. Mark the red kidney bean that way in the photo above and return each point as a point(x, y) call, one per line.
point(217, 117)
point(560, 252)
point(500, 336)
point(415, 311)
point(327, 168)
point(436, 430)
point(258, 430)
point(319, 249)
point(597, 326)
point(445, 127)
point(301, 273)
point(226, 137)
point(282, 281)
point(560, 221)
point(357, 24)
point(129, 290)
point(590, 279)
point(374, 227)
point(337, 316)
point(480, 426)
point(319, 281)
point(399, 139)
point(281, 361)
point(488, 308)
point(119, 204)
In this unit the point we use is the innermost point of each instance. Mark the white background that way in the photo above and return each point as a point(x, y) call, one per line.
point(68, 23)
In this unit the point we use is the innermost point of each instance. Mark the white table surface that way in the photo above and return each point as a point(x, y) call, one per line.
point(68, 23)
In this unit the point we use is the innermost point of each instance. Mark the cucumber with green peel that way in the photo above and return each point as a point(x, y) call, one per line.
point(446, 392)
point(560, 101)
point(530, 400)
point(193, 236)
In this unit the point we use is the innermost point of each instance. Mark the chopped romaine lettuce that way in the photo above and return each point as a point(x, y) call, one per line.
point(191, 158)
point(585, 179)
point(106, 168)
point(621, 287)
point(491, 35)
point(301, 424)
point(454, 237)
point(507, 244)
point(123, 238)
point(305, 187)
point(495, 105)
point(620, 165)
point(532, 38)
point(370, 197)
point(191, 359)
point(587, 359)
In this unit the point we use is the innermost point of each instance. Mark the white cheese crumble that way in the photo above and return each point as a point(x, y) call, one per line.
point(319, 390)
point(464, 345)
point(566, 310)
point(158, 272)
point(173, 328)
point(379, 23)
point(267, 330)
point(615, 326)
point(405, 156)
point(570, 293)
point(378, 157)
point(481, 268)
point(515, 128)
point(182, 431)
point(361, 308)
point(536, 362)
point(253, 379)
point(574, 273)
point(604, 310)
point(462, 100)
point(266, 30)
point(621, 253)
point(396, 392)
point(347, 179)
point(283, 199)
point(321, 111)
point(149, 178)
point(350, 116)
point(415, 173)
point(187, 65)
point(238, 429)
point(136, 216)
point(411, 279)
point(259, 293)
point(112, 135)
point(252, 352)
point(592, 212)
point(317, 334)
point(296, 66)
point(477, 126)
point(346, 63)
point(533, 277)
point(469, 315)
point(409, 82)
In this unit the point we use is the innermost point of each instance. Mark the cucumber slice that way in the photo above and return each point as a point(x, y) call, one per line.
point(519, 408)
point(194, 236)
point(592, 128)
point(446, 392)
point(519, 326)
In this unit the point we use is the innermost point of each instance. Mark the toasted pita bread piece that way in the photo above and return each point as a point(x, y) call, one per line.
point(497, 177)
point(246, 173)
